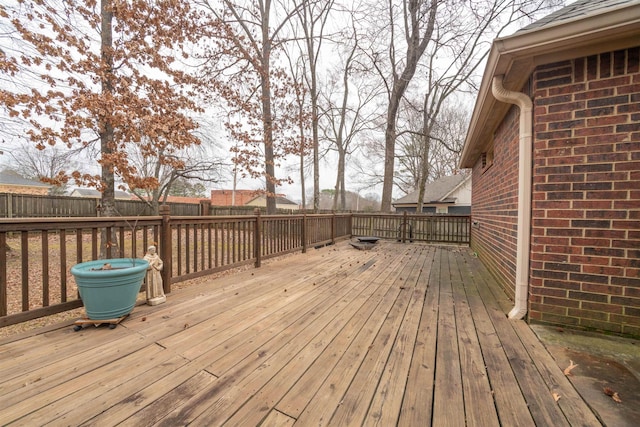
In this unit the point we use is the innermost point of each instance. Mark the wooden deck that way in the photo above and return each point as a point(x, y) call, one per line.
point(402, 334)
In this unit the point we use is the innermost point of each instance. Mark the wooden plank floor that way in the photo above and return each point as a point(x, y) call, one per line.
point(402, 334)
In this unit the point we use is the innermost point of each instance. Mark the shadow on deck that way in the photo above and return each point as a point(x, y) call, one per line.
point(397, 335)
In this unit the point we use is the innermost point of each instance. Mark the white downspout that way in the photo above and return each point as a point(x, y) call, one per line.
point(524, 192)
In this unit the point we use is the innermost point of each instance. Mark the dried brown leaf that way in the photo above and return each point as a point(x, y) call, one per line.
point(556, 396)
point(569, 368)
point(614, 394)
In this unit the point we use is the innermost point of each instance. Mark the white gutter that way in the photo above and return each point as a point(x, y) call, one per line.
point(524, 192)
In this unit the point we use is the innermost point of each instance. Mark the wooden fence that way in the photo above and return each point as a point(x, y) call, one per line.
point(37, 254)
point(39, 206)
point(36, 206)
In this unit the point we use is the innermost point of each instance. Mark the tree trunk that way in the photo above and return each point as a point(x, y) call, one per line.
point(314, 133)
point(424, 152)
point(416, 45)
point(302, 150)
point(265, 79)
point(107, 203)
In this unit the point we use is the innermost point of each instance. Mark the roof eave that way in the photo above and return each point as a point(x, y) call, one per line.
point(516, 57)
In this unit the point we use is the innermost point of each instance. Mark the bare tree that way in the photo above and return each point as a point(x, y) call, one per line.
point(247, 40)
point(347, 112)
point(48, 165)
point(462, 34)
point(193, 164)
point(437, 45)
point(417, 19)
point(433, 157)
point(313, 18)
point(298, 70)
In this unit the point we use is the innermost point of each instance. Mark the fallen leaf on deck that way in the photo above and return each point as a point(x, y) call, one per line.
point(568, 369)
point(614, 394)
point(556, 396)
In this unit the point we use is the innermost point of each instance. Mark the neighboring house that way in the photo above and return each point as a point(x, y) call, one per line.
point(556, 177)
point(232, 197)
point(95, 194)
point(11, 182)
point(281, 203)
point(447, 195)
point(183, 199)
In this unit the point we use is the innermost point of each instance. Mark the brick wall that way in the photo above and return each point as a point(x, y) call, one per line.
point(585, 247)
point(494, 205)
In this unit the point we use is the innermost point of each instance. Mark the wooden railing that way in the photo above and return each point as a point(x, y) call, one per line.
point(37, 254)
point(411, 227)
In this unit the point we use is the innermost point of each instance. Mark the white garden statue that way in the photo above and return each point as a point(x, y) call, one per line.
point(155, 291)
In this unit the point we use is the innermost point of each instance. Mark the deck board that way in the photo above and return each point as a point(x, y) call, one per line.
point(401, 334)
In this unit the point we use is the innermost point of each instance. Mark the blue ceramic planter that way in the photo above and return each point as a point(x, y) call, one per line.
point(109, 294)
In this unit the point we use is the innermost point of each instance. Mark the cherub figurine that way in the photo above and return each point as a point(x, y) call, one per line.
point(155, 292)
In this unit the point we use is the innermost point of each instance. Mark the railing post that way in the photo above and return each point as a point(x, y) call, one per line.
point(257, 238)
point(205, 207)
point(333, 227)
point(3, 274)
point(166, 247)
point(304, 233)
point(404, 227)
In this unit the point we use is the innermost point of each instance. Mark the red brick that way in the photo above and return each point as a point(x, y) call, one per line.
point(597, 269)
point(603, 130)
point(626, 281)
point(601, 243)
point(606, 120)
point(610, 195)
point(602, 289)
point(596, 112)
point(602, 306)
point(626, 262)
point(558, 319)
point(606, 214)
point(565, 213)
point(559, 293)
point(607, 176)
point(592, 204)
point(609, 83)
point(606, 234)
point(585, 259)
point(589, 313)
point(635, 88)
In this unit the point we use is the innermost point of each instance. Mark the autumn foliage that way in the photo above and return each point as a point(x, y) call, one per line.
point(104, 76)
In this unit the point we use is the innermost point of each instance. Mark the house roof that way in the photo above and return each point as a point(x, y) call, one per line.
point(576, 10)
point(584, 28)
point(438, 191)
point(90, 192)
point(280, 200)
point(12, 178)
